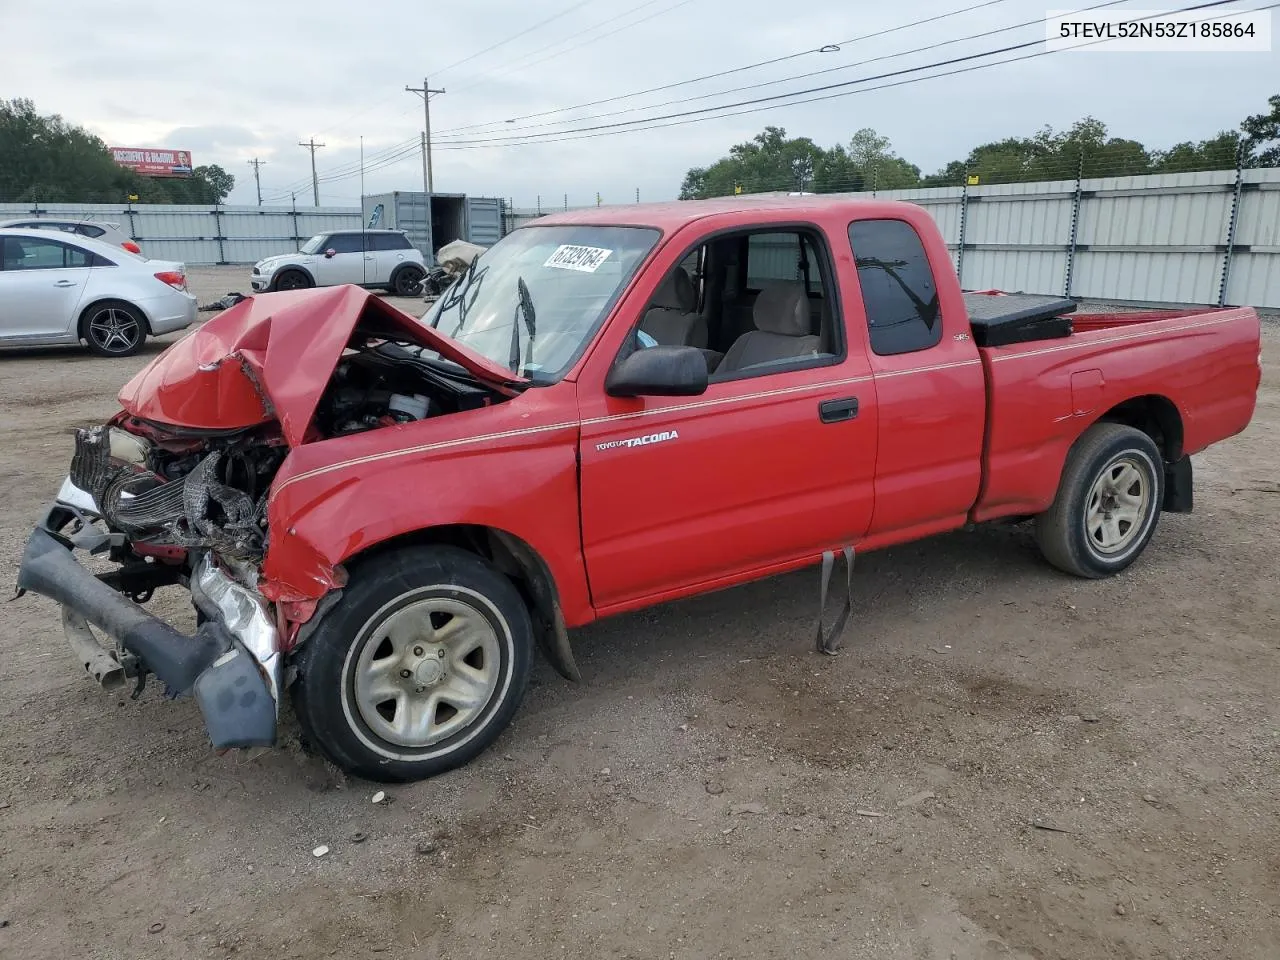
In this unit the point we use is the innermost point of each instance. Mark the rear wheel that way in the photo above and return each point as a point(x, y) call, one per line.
point(407, 281)
point(291, 280)
point(418, 668)
point(113, 328)
point(1108, 502)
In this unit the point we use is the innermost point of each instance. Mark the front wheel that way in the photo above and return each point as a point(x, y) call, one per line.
point(419, 666)
point(291, 280)
point(1108, 502)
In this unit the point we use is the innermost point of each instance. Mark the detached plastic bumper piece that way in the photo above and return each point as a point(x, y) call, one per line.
point(235, 695)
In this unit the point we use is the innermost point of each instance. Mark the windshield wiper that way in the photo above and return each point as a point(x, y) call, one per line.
point(461, 285)
point(530, 322)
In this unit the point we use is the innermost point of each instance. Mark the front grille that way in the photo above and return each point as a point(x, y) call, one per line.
point(91, 467)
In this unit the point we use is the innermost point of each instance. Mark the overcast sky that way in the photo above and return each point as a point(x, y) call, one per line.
point(237, 80)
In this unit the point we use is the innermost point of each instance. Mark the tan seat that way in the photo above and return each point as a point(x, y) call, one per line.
point(781, 315)
point(670, 319)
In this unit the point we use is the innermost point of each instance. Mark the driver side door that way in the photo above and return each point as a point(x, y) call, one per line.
point(759, 474)
point(347, 263)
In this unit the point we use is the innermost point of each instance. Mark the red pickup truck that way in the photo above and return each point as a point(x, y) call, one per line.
point(608, 410)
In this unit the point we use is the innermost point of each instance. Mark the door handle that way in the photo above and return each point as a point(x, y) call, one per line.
point(65, 283)
point(835, 411)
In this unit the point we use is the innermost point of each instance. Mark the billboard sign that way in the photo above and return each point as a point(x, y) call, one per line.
point(153, 163)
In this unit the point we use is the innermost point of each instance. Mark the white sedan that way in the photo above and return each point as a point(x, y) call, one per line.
point(59, 288)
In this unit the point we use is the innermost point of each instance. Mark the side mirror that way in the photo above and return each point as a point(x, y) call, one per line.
point(659, 372)
point(330, 253)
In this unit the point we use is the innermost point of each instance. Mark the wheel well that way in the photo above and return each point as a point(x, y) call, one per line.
point(1155, 416)
point(296, 268)
point(84, 314)
point(517, 560)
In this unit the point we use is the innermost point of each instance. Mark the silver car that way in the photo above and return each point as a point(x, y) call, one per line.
point(93, 229)
point(56, 288)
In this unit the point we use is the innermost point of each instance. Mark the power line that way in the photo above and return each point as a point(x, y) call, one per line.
point(814, 73)
point(677, 119)
point(351, 169)
point(514, 36)
point(650, 124)
point(521, 63)
point(826, 48)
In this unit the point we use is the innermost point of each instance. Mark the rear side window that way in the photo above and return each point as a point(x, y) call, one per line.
point(898, 288)
point(344, 243)
point(31, 253)
point(389, 241)
point(89, 230)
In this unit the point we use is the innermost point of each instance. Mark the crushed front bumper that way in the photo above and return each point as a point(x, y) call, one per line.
point(230, 664)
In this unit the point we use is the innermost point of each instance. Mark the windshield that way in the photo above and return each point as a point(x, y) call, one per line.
point(532, 301)
point(313, 245)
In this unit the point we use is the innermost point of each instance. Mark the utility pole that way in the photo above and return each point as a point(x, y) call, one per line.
point(315, 182)
point(256, 163)
point(425, 92)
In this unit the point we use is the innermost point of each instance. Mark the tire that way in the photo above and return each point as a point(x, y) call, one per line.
point(351, 696)
point(113, 328)
point(291, 280)
point(407, 281)
point(1108, 502)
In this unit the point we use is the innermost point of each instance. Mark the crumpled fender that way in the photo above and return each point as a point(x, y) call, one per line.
point(510, 468)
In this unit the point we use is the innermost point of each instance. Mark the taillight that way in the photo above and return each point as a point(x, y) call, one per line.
point(132, 247)
point(174, 279)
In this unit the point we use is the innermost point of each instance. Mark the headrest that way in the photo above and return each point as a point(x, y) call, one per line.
point(782, 308)
point(675, 292)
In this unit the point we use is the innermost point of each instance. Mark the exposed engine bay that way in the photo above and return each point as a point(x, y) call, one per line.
point(170, 489)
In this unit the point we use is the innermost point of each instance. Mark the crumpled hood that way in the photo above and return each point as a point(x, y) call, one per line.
point(271, 356)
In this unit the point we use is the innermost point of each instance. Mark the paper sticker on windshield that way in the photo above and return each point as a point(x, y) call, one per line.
point(567, 256)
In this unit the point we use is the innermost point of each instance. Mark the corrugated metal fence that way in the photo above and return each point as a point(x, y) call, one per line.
point(1211, 238)
point(1173, 238)
point(199, 234)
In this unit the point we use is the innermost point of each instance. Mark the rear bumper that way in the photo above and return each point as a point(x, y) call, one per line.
point(170, 312)
point(236, 687)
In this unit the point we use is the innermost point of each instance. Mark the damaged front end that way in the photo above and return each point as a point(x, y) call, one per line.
point(168, 513)
point(175, 490)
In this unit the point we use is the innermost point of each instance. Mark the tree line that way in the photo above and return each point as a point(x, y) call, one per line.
point(47, 160)
point(773, 161)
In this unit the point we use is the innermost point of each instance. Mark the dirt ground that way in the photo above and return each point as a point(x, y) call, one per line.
point(714, 789)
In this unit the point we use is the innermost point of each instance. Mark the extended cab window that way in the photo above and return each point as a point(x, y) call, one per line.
point(898, 289)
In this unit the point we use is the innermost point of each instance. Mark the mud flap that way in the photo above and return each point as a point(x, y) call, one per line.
point(826, 642)
point(548, 621)
point(1177, 487)
point(553, 639)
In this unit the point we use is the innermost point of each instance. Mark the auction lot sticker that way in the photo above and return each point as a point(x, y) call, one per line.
point(583, 259)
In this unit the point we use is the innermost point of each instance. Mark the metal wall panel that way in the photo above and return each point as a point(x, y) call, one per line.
point(190, 233)
point(1015, 271)
point(1147, 238)
point(1155, 277)
point(484, 220)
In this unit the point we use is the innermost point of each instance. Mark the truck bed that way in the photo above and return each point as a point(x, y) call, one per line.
point(1185, 364)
